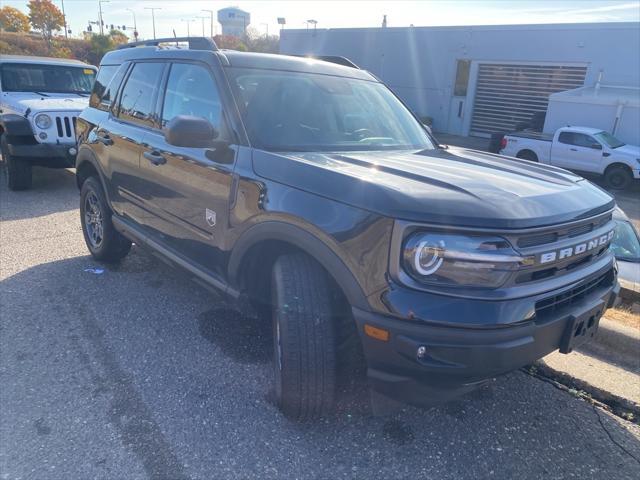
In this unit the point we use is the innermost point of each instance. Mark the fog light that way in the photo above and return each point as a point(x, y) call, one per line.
point(422, 351)
point(72, 151)
point(42, 135)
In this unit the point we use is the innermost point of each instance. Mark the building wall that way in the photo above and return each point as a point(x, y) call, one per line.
point(419, 63)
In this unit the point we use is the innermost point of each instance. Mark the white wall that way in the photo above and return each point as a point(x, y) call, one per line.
point(419, 63)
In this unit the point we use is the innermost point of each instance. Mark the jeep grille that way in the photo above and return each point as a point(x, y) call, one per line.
point(66, 126)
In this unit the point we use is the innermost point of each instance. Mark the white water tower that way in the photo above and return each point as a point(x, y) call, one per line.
point(234, 21)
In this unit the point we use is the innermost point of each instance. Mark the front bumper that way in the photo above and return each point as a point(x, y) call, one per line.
point(47, 154)
point(459, 359)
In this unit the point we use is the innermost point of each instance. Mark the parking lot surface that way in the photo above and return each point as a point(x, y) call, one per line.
point(135, 371)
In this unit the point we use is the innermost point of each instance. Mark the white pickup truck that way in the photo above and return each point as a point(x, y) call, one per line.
point(582, 149)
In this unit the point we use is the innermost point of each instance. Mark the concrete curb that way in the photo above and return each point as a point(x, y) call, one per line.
point(621, 340)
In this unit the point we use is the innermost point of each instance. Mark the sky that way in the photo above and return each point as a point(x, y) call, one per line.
point(178, 14)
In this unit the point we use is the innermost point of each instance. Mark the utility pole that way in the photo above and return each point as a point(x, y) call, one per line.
point(188, 20)
point(64, 15)
point(100, 2)
point(203, 19)
point(135, 25)
point(210, 12)
point(153, 18)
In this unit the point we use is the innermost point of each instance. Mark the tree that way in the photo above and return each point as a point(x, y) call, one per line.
point(13, 20)
point(45, 17)
point(118, 37)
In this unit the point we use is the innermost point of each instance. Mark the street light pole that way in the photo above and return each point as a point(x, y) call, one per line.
point(210, 12)
point(64, 15)
point(100, 2)
point(135, 25)
point(188, 20)
point(267, 27)
point(153, 18)
point(202, 19)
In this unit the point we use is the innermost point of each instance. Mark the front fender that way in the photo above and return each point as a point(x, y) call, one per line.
point(305, 241)
point(15, 125)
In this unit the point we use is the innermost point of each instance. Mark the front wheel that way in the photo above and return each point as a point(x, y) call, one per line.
point(304, 337)
point(103, 241)
point(17, 171)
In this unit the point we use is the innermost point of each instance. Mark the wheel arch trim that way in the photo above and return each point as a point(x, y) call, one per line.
point(277, 230)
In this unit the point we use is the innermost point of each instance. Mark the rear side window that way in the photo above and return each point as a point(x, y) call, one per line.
point(566, 137)
point(137, 102)
point(192, 91)
point(106, 85)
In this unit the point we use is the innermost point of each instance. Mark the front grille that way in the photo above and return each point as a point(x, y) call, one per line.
point(66, 126)
point(550, 305)
point(534, 240)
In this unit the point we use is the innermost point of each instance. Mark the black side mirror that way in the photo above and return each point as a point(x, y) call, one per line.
point(188, 131)
point(596, 146)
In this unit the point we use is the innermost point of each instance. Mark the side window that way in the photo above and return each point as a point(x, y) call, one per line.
point(137, 102)
point(582, 140)
point(106, 85)
point(191, 90)
point(566, 138)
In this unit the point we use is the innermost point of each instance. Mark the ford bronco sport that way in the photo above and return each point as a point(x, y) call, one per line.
point(40, 99)
point(307, 189)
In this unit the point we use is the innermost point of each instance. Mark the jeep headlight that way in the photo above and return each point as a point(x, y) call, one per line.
point(43, 121)
point(448, 260)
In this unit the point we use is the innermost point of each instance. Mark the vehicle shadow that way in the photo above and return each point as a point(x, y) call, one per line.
point(53, 190)
point(156, 356)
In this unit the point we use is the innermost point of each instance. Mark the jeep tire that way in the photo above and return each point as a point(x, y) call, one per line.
point(104, 242)
point(304, 337)
point(17, 170)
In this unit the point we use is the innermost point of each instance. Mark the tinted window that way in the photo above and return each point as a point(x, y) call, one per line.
point(106, 85)
point(32, 77)
point(191, 91)
point(462, 78)
point(290, 111)
point(577, 139)
point(137, 103)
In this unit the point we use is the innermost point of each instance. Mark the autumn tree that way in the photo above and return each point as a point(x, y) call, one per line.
point(13, 20)
point(45, 17)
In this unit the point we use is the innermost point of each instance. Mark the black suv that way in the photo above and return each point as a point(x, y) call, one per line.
point(308, 190)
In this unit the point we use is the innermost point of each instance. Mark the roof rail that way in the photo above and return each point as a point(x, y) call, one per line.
point(195, 43)
point(344, 61)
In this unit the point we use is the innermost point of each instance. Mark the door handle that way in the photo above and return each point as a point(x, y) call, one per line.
point(155, 157)
point(573, 149)
point(104, 138)
point(606, 154)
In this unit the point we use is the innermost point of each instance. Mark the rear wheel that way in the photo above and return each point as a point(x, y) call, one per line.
point(618, 177)
point(17, 171)
point(103, 241)
point(527, 155)
point(304, 337)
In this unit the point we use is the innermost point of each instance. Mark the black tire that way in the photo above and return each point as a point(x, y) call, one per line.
point(304, 337)
point(104, 242)
point(17, 171)
point(527, 155)
point(618, 177)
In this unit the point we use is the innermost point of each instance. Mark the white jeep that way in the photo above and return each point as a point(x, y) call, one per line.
point(40, 99)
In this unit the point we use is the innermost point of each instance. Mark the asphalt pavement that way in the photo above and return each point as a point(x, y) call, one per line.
point(135, 372)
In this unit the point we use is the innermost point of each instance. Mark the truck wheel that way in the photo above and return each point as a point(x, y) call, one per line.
point(17, 171)
point(527, 155)
point(104, 242)
point(304, 337)
point(617, 177)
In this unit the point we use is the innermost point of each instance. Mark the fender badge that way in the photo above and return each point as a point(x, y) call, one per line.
point(210, 217)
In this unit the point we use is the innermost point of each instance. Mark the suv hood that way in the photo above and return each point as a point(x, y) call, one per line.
point(457, 187)
point(21, 101)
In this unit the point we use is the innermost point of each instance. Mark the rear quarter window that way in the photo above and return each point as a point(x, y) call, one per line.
point(106, 85)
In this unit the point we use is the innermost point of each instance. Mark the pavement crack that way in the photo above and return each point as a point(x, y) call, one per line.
point(613, 440)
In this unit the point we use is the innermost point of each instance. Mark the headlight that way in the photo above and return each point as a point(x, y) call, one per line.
point(460, 261)
point(43, 121)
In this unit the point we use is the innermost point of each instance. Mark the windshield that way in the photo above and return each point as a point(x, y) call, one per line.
point(291, 111)
point(26, 77)
point(625, 243)
point(608, 139)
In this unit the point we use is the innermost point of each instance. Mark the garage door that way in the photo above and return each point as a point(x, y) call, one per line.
point(509, 94)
